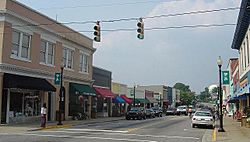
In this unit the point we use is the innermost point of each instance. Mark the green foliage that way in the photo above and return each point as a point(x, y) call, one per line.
point(205, 96)
point(215, 90)
point(187, 97)
point(182, 87)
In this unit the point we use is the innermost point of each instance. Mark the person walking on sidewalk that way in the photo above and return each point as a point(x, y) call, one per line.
point(43, 115)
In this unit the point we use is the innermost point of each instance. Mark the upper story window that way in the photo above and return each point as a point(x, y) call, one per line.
point(20, 45)
point(84, 66)
point(47, 53)
point(68, 58)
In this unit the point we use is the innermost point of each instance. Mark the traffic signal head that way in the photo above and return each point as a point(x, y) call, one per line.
point(140, 29)
point(97, 32)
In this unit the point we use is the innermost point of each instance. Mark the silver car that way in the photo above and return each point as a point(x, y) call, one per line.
point(203, 118)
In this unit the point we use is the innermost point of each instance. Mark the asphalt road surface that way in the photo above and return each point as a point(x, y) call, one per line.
point(165, 129)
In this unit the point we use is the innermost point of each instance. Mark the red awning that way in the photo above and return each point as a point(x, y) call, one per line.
point(104, 92)
point(127, 100)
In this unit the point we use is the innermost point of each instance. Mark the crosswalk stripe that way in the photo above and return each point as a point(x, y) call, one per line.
point(96, 130)
point(84, 137)
point(124, 134)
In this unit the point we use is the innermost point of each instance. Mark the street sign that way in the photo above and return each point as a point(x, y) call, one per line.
point(57, 79)
point(225, 77)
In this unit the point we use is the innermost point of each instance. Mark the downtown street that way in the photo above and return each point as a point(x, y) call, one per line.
point(160, 129)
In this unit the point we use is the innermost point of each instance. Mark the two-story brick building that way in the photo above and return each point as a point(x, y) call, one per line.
point(32, 49)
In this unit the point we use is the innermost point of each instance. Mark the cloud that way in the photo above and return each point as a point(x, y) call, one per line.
point(173, 55)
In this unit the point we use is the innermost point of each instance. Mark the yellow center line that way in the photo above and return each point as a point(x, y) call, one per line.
point(214, 135)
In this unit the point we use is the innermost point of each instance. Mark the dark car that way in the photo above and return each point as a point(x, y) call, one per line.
point(136, 113)
point(150, 113)
point(158, 111)
point(171, 111)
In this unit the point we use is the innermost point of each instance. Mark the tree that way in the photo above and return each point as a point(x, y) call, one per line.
point(205, 96)
point(182, 87)
point(215, 90)
point(187, 97)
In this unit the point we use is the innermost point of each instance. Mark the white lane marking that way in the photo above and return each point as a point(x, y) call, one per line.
point(123, 134)
point(86, 137)
point(116, 139)
point(96, 130)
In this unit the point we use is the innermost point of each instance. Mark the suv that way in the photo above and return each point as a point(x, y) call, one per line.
point(158, 111)
point(182, 110)
point(136, 112)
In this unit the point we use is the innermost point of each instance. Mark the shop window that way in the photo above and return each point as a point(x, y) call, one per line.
point(24, 105)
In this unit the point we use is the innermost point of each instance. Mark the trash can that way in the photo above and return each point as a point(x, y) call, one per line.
point(243, 121)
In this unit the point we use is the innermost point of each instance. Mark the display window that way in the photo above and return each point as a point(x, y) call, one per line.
point(24, 104)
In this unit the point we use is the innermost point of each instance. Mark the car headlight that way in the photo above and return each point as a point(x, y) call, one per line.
point(193, 118)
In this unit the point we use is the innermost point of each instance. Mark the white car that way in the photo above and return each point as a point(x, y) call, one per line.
point(203, 118)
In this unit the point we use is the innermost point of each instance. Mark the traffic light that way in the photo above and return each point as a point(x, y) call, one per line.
point(97, 32)
point(140, 29)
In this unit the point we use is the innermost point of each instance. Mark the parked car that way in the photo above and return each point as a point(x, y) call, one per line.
point(150, 113)
point(136, 113)
point(182, 110)
point(171, 111)
point(203, 118)
point(158, 111)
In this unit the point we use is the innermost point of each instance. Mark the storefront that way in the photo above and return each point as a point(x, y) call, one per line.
point(128, 102)
point(104, 101)
point(139, 102)
point(82, 99)
point(118, 106)
point(23, 97)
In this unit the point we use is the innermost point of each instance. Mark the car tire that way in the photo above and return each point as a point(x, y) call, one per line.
point(127, 118)
point(193, 126)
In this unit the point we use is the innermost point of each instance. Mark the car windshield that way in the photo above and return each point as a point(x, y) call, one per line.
point(202, 114)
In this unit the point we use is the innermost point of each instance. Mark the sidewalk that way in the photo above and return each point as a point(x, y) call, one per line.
point(35, 126)
point(234, 132)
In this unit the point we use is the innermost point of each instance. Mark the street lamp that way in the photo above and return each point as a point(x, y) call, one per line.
point(219, 63)
point(61, 95)
point(134, 95)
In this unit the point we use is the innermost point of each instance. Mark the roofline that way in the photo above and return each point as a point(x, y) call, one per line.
point(58, 23)
point(242, 24)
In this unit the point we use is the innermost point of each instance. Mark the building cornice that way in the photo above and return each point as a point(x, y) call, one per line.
point(13, 69)
point(242, 24)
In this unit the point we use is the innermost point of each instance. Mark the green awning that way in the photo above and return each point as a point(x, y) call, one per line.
point(139, 100)
point(81, 89)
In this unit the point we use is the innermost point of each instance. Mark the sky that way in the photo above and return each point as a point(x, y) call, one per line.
point(163, 57)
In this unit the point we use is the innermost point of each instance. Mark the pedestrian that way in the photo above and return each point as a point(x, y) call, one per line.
point(43, 115)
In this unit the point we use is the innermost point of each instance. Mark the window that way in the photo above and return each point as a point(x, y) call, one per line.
point(68, 58)
point(84, 63)
point(47, 52)
point(20, 45)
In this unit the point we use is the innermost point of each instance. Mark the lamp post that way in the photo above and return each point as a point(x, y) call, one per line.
point(61, 95)
point(219, 63)
point(134, 96)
